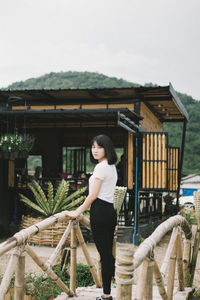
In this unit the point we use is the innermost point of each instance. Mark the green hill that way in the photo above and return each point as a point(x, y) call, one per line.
point(91, 80)
point(71, 80)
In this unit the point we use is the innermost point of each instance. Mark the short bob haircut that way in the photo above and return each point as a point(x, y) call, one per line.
point(105, 142)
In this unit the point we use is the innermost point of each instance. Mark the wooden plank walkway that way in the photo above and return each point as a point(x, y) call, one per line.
point(90, 293)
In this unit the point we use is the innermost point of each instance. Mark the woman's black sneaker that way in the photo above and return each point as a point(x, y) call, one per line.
point(103, 298)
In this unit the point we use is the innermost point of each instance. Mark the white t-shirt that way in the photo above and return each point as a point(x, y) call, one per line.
point(108, 174)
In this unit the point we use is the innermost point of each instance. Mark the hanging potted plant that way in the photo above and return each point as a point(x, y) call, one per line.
point(47, 204)
point(19, 144)
point(25, 145)
point(15, 145)
point(6, 145)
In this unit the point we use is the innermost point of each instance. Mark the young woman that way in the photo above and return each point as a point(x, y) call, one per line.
point(103, 217)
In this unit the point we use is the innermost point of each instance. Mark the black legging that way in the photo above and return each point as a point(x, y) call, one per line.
point(103, 220)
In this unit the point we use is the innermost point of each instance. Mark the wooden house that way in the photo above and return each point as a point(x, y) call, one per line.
point(63, 123)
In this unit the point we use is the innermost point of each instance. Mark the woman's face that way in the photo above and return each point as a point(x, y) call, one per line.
point(98, 152)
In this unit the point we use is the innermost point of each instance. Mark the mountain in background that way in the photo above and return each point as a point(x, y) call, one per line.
point(90, 80)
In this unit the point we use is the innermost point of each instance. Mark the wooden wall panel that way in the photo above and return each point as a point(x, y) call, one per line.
point(154, 161)
point(150, 122)
point(130, 161)
point(173, 163)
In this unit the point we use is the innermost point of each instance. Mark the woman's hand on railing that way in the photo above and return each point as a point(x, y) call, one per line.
point(72, 214)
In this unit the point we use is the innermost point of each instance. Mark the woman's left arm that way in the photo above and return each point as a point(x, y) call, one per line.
point(93, 194)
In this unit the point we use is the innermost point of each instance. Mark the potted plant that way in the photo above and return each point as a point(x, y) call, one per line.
point(6, 145)
point(16, 143)
point(25, 145)
point(47, 204)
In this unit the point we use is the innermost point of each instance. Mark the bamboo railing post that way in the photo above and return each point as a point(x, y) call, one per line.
point(141, 284)
point(124, 274)
point(172, 241)
point(51, 261)
point(73, 257)
point(186, 262)
point(171, 271)
point(19, 278)
point(159, 281)
point(9, 272)
point(194, 256)
point(45, 267)
point(87, 256)
point(148, 292)
point(180, 262)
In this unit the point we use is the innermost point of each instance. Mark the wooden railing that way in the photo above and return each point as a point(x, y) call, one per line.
point(178, 251)
point(19, 244)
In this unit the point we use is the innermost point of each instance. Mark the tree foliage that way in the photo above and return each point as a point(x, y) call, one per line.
point(89, 80)
point(191, 161)
point(71, 80)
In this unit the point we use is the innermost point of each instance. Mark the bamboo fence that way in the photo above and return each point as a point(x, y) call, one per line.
point(178, 256)
point(19, 245)
point(180, 253)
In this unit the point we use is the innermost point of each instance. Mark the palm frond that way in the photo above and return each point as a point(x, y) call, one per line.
point(37, 197)
point(58, 192)
point(50, 196)
point(62, 196)
point(74, 203)
point(75, 195)
point(43, 196)
point(29, 203)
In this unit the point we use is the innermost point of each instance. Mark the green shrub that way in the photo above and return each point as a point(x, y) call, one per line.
point(42, 287)
point(83, 275)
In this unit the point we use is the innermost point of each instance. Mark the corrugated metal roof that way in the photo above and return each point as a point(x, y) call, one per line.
point(162, 101)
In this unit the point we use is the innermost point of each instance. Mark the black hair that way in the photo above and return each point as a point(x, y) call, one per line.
point(105, 142)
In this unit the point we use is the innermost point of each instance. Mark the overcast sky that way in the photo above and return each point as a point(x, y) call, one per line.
point(141, 41)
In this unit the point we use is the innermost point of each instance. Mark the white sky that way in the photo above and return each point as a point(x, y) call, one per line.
point(141, 41)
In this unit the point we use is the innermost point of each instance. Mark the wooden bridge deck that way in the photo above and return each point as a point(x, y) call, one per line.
point(87, 293)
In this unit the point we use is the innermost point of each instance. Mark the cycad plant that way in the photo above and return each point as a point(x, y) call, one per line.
point(53, 202)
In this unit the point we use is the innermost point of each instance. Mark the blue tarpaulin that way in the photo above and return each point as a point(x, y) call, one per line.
point(189, 192)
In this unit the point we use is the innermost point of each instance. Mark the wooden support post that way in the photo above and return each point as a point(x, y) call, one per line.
point(147, 163)
point(148, 292)
point(155, 163)
point(180, 262)
point(151, 163)
point(159, 161)
point(164, 161)
point(165, 263)
point(19, 278)
point(49, 272)
point(51, 261)
point(186, 262)
point(9, 272)
point(171, 272)
point(194, 256)
point(159, 281)
point(144, 171)
point(11, 171)
point(124, 274)
point(141, 284)
point(130, 161)
point(87, 256)
point(73, 256)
